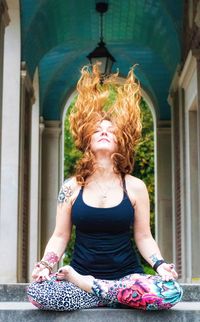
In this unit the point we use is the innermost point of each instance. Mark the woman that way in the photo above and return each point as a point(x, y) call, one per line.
point(103, 201)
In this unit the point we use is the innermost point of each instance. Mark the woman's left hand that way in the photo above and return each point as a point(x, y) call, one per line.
point(167, 272)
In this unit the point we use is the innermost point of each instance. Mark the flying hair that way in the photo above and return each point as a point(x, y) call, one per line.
point(92, 107)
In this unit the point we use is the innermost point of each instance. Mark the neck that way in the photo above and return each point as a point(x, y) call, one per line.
point(104, 167)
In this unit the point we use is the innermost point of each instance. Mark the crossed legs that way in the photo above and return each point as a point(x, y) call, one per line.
point(68, 290)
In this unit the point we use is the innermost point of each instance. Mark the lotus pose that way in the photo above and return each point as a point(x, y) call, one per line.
point(109, 208)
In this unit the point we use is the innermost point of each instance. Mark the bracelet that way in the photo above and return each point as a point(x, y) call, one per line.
point(158, 263)
point(46, 264)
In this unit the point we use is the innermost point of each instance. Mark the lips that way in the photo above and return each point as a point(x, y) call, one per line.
point(103, 139)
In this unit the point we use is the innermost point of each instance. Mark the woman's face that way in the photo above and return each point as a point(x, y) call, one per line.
point(104, 139)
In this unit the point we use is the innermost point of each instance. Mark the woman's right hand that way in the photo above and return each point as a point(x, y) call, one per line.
point(40, 273)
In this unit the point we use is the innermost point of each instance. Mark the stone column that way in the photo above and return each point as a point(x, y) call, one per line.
point(183, 198)
point(4, 21)
point(196, 221)
point(41, 127)
point(50, 178)
point(10, 147)
point(34, 210)
point(26, 101)
point(174, 102)
point(164, 193)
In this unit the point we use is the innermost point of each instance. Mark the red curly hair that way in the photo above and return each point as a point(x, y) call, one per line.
point(91, 108)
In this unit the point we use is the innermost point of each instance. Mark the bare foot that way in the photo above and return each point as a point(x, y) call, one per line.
point(85, 282)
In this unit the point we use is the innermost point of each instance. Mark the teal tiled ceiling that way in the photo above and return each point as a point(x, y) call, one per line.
point(57, 35)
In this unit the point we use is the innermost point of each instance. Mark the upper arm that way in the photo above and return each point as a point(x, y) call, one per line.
point(63, 214)
point(142, 210)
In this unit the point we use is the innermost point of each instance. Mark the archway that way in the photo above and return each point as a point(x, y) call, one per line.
point(66, 140)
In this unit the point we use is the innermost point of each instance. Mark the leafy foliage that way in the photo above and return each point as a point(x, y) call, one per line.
point(71, 154)
point(143, 169)
point(144, 159)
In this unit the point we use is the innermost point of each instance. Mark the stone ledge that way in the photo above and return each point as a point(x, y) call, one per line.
point(191, 292)
point(26, 312)
point(182, 306)
point(13, 292)
point(17, 292)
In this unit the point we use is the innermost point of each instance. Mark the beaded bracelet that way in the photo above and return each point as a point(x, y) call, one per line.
point(46, 264)
point(158, 263)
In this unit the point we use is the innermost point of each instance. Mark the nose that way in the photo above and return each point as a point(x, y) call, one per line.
point(104, 133)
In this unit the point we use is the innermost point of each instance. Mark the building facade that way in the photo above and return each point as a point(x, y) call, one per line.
point(43, 46)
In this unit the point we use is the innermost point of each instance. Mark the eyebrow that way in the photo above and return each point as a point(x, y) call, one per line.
point(100, 127)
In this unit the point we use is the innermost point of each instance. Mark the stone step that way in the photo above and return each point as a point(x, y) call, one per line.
point(26, 312)
point(191, 292)
point(13, 292)
point(17, 292)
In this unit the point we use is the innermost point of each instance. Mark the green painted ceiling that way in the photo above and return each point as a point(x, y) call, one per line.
point(57, 35)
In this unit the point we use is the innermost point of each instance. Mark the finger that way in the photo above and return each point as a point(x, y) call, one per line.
point(164, 278)
point(44, 275)
point(60, 276)
point(63, 270)
point(38, 279)
point(41, 278)
point(34, 276)
point(167, 278)
point(174, 273)
point(35, 273)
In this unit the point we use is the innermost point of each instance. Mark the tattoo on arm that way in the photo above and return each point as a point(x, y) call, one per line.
point(154, 258)
point(51, 258)
point(65, 193)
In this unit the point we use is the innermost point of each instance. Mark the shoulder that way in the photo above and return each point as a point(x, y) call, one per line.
point(68, 189)
point(134, 183)
point(136, 189)
point(70, 182)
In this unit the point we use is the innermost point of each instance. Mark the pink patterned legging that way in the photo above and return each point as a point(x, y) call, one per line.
point(138, 291)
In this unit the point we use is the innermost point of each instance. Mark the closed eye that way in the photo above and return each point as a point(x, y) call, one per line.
point(109, 129)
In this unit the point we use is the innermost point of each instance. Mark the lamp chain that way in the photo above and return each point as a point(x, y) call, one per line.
point(101, 26)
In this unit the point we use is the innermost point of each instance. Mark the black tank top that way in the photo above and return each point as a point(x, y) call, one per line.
point(103, 246)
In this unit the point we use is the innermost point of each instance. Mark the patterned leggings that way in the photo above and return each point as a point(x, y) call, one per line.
point(139, 291)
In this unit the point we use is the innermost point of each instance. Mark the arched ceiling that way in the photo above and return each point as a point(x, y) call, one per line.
point(57, 35)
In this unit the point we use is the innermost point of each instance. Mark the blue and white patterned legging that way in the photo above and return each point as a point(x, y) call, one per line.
point(138, 291)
